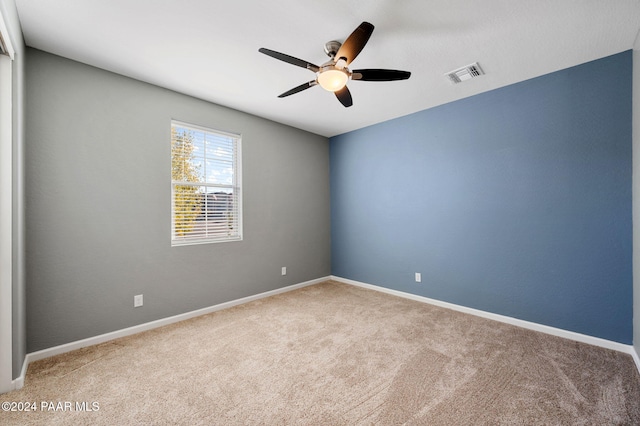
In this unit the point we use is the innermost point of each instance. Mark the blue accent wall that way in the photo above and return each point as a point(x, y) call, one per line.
point(516, 201)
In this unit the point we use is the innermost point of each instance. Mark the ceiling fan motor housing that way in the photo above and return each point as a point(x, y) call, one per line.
point(332, 47)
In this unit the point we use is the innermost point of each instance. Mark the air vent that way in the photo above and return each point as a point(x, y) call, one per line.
point(465, 73)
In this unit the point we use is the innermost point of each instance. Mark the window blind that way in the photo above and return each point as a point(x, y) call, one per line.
point(205, 185)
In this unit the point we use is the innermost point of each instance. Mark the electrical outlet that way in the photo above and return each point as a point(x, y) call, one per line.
point(418, 277)
point(137, 301)
point(284, 270)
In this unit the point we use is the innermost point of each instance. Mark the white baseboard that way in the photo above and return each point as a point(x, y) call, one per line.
point(636, 359)
point(18, 382)
point(67, 347)
point(596, 341)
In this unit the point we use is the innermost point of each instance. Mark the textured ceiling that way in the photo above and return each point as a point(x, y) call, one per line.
point(209, 49)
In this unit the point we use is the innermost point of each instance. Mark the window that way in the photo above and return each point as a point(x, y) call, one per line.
point(206, 199)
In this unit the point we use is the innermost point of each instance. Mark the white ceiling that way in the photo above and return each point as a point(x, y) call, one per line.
point(209, 49)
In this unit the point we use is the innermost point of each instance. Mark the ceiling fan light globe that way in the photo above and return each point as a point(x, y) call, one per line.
point(332, 79)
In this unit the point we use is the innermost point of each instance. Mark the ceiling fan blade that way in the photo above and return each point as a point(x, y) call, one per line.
point(379, 75)
point(300, 88)
point(289, 59)
point(354, 44)
point(344, 96)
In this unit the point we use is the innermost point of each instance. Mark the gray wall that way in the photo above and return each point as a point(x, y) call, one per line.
point(99, 215)
point(19, 340)
point(636, 194)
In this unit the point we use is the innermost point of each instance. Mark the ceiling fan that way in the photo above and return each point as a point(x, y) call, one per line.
point(334, 74)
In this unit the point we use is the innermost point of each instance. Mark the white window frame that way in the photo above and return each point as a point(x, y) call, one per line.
point(235, 186)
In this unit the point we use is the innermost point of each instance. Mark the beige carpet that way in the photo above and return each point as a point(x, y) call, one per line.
point(333, 354)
